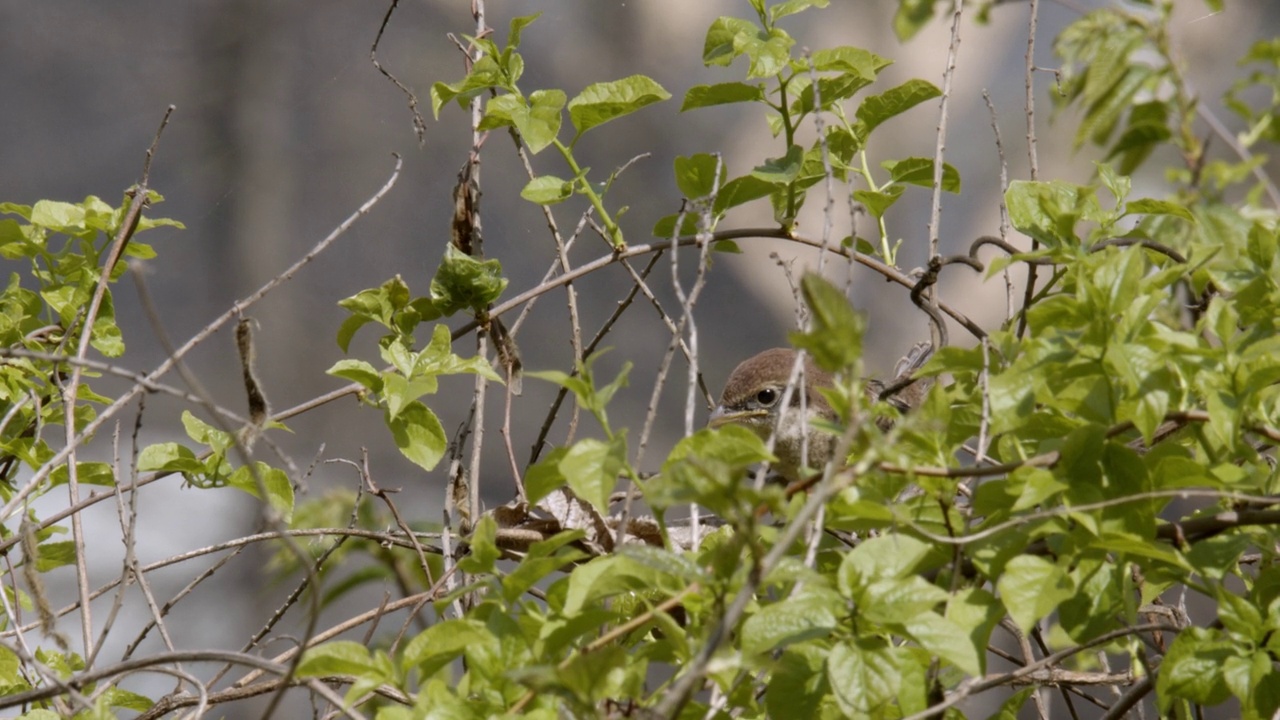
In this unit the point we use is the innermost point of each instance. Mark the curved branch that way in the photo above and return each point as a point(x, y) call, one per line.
point(1048, 661)
point(889, 272)
point(168, 658)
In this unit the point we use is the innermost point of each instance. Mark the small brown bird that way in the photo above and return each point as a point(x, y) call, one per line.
point(753, 394)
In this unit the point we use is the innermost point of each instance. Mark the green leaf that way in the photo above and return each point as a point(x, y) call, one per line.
point(516, 28)
point(830, 91)
point(596, 676)
point(782, 170)
point(666, 227)
point(601, 102)
point(357, 371)
point(721, 45)
point(547, 190)
point(537, 119)
point(947, 640)
point(708, 467)
point(58, 216)
point(611, 575)
point(50, 555)
point(500, 111)
point(337, 657)
point(467, 88)
point(106, 337)
point(696, 175)
point(721, 94)
point(919, 171)
point(463, 282)
point(887, 557)
point(1049, 211)
point(482, 547)
point(203, 432)
point(439, 644)
point(1102, 117)
point(583, 388)
point(741, 190)
point(1031, 588)
point(811, 615)
point(544, 477)
point(1147, 206)
point(877, 203)
point(1140, 137)
point(419, 435)
point(539, 124)
point(727, 38)
point(835, 340)
point(897, 601)
point(592, 467)
point(911, 16)
point(168, 457)
point(1192, 669)
point(1037, 485)
point(876, 109)
point(847, 59)
point(348, 329)
point(1255, 681)
point(864, 676)
point(798, 685)
point(976, 612)
point(398, 392)
point(542, 559)
point(791, 7)
point(87, 473)
point(279, 487)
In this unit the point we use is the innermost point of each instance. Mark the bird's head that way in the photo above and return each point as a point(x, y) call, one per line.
point(753, 399)
point(753, 396)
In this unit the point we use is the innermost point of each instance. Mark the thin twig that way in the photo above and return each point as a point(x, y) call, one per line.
point(1032, 159)
point(1004, 206)
point(104, 415)
point(419, 123)
point(128, 225)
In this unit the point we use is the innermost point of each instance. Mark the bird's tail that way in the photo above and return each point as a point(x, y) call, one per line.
point(913, 360)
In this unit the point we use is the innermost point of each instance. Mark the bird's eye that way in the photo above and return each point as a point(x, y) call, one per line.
point(767, 397)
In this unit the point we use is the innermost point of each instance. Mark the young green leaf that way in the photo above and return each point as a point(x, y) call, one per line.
point(696, 176)
point(864, 676)
point(791, 7)
point(418, 435)
point(592, 467)
point(337, 657)
point(835, 340)
point(279, 487)
point(782, 170)
point(808, 616)
point(721, 94)
point(547, 190)
point(168, 457)
point(601, 102)
point(919, 171)
point(463, 282)
point(1031, 587)
point(848, 59)
point(893, 102)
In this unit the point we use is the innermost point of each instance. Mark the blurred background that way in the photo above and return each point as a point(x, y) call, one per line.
point(284, 127)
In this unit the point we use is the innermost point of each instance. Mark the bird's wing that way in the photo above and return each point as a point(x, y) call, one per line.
point(913, 360)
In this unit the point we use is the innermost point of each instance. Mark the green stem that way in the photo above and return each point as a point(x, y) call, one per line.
point(582, 186)
point(885, 251)
point(788, 133)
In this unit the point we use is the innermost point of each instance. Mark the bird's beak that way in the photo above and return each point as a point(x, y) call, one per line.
point(722, 416)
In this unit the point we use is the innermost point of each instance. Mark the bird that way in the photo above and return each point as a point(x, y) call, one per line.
point(753, 394)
